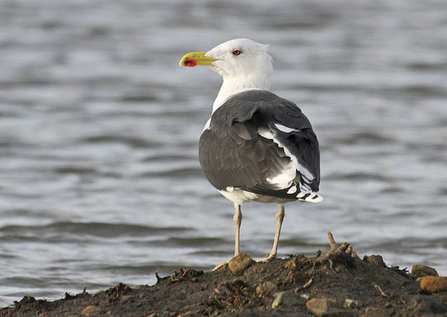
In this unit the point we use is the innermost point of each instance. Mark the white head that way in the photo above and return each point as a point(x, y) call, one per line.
point(243, 59)
point(243, 64)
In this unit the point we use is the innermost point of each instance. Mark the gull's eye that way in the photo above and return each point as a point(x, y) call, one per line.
point(237, 52)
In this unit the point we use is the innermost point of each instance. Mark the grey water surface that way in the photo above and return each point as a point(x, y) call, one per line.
point(99, 177)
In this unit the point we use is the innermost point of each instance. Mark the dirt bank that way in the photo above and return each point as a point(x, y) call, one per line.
point(338, 283)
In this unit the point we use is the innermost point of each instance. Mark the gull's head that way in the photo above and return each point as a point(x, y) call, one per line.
point(243, 60)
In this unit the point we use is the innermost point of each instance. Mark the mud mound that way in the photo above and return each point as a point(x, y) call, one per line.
point(337, 283)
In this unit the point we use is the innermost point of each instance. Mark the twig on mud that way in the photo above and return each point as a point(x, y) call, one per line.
point(309, 282)
point(328, 257)
point(380, 290)
point(331, 241)
point(178, 275)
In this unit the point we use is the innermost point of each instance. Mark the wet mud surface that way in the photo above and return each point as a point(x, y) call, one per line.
point(338, 283)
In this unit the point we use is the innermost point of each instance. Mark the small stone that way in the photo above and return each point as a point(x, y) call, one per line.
point(349, 303)
point(318, 306)
point(239, 263)
point(375, 259)
point(91, 311)
point(306, 296)
point(434, 284)
point(323, 307)
point(289, 299)
point(420, 270)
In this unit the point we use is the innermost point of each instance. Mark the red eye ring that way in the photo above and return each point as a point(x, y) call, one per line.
point(237, 52)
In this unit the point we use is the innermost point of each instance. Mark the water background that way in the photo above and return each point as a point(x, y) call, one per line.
point(99, 176)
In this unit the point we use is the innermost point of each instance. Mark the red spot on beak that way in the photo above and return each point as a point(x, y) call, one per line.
point(190, 63)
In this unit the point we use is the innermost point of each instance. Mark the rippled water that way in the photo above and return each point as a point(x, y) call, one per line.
point(99, 178)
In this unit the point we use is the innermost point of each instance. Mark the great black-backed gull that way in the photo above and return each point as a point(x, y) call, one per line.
point(256, 146)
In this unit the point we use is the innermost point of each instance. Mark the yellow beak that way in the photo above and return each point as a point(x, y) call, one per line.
point(196, 59)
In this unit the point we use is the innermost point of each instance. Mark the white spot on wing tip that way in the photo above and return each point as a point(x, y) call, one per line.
point(310, 197)
point(285, 129)
point(266, 133)
point(292, 190)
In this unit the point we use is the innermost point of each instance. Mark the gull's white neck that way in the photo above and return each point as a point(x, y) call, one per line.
point(234, 85)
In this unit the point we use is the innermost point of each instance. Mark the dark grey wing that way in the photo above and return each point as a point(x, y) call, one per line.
point(257, 137)
point(236, 156)
point(293, 130)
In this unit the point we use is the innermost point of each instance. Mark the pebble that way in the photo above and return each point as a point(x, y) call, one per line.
point(420, 270)
point(434, 284)
point(318, 306)
point(351, 303)
point(324, 307)
point(240, 263)
point(289, 299)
